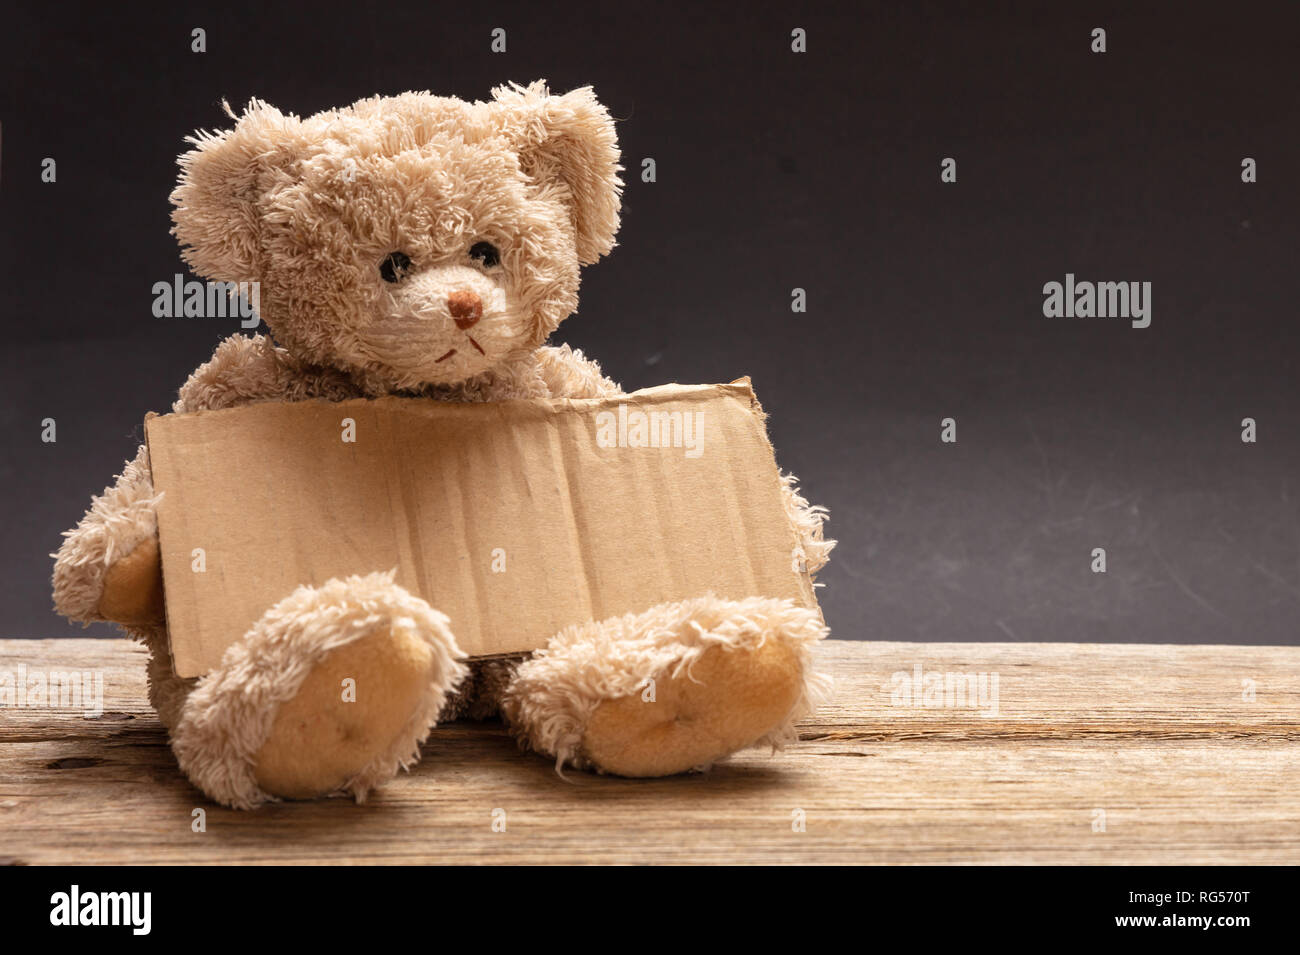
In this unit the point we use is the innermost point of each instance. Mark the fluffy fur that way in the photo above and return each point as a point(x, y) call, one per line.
point(118, 520)
point(228, 717)
point(311, 209)
point(555, 693)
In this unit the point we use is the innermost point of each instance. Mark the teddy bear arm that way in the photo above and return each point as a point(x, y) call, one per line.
point(108, 567)
point(569, 373)
point(812, 548)
point(248, 369)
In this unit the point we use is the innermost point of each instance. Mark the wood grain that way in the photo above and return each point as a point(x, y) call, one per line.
point(1163, 739)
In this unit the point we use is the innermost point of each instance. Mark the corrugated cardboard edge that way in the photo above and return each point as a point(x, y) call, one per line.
point(167, 623)
point(741, 388)
point(744, 386)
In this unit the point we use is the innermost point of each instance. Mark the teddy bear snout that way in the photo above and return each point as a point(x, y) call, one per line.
point(466, 308)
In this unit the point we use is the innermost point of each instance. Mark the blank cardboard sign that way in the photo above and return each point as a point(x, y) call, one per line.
point(514, 518)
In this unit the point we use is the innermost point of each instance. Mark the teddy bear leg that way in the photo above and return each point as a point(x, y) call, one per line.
point(672, 689)
point(332, 691)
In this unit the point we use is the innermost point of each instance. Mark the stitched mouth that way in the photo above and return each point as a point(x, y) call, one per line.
point(475, 344)
point(448, 355)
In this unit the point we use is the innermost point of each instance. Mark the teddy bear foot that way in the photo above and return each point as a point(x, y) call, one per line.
point(332, 691)
point(673, 689)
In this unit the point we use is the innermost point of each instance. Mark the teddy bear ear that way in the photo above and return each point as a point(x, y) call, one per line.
point(217, 200)
point(568, 139)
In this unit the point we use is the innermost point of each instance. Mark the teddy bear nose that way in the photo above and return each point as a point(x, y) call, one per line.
point(466, 309)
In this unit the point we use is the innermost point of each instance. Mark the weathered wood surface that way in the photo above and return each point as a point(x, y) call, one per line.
point(1165, 740)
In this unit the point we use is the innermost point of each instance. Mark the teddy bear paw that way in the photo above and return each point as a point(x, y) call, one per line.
point(676, 688)
point(133, 588)
point(332, 691)
point(351, 708)
point(727, 700)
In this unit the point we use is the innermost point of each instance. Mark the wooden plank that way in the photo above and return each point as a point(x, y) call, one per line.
point(1185, 765)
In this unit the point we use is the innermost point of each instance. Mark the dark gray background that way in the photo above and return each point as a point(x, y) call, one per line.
point(778, 170)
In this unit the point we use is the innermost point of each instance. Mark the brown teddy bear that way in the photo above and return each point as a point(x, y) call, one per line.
point(421, 246)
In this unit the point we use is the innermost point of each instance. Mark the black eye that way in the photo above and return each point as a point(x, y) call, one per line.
point(395, 266)
point(486, 253)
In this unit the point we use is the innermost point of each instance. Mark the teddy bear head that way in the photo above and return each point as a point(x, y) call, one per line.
point(409, 240)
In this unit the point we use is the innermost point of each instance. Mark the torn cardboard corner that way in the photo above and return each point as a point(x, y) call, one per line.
point(515, 518)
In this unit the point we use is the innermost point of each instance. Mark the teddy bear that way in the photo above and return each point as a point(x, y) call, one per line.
point(422, 246)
